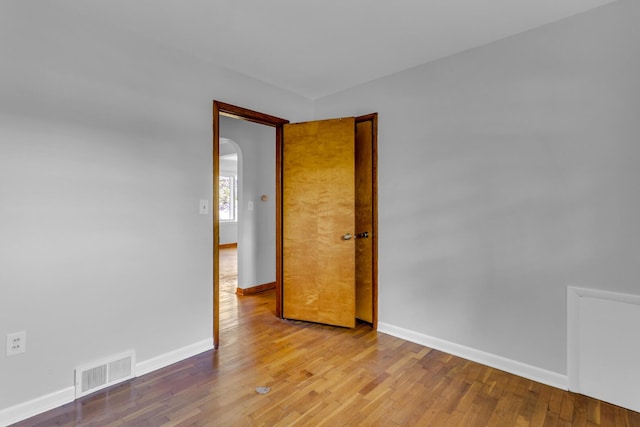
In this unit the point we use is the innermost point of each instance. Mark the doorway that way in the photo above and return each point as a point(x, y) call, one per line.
point(229, 203)
point(230, 191)
point(223, 109)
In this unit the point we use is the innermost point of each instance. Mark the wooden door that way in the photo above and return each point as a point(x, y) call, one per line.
point(318, 173)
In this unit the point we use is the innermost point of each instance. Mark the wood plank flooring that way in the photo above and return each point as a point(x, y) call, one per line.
point(327, 376)
point(229, 302)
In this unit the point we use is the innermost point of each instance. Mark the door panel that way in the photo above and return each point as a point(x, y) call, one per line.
point(318, 170)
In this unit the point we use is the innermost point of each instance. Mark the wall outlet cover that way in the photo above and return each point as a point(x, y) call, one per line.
point(16, 343)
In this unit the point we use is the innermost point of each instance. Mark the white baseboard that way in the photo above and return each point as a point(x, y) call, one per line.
point(512, 366)
point(25, 410)
point(172, 357)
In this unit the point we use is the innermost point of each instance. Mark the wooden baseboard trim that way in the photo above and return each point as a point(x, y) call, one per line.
point(228, 245)
point(255, 289)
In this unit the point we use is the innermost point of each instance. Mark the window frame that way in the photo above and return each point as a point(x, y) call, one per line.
point(233, 205)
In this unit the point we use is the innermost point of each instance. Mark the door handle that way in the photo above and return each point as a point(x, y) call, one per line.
point(349, 236)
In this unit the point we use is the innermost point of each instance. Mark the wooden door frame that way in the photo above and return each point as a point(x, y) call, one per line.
point(373, 118)
point(228, 110)
point(233, 111)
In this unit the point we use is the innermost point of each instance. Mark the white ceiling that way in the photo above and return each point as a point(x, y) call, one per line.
point(315, 48)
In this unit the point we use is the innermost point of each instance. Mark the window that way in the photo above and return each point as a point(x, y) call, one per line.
point(228, 199)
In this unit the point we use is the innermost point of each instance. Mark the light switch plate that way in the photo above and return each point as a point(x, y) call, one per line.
point(204, 207)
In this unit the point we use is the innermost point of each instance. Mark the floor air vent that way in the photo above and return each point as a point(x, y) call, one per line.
point(104, 373)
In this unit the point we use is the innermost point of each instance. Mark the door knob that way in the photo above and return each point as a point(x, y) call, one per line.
point(350, 236)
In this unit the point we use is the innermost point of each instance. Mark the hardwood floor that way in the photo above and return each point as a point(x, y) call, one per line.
point(327, 376)
point(229, 303)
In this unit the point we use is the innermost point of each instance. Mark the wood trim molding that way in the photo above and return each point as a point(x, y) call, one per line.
point(255, 289)
point(279, 213)
point(235, 112)
point(228, 245)
point(216, 224)
point(373, 118)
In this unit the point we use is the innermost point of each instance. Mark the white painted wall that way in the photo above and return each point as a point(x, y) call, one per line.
point(505, 174)
point(105, 151)
point(256, 228)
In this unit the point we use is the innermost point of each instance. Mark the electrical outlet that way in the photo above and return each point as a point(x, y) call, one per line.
point(16, 343)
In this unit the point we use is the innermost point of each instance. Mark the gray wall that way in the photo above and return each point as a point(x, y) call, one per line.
point(256, 228)
point(507, 173)
point(105, 151)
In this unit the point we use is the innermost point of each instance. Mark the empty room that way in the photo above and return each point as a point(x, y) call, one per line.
point(434, 208)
